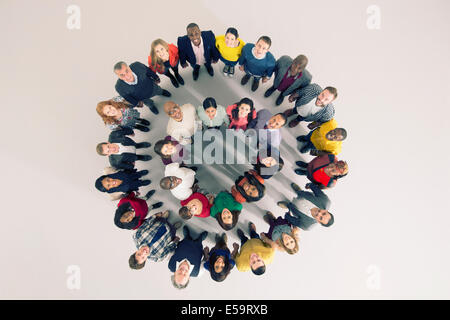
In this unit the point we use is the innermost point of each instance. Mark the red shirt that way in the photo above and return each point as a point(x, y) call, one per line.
point(206, 206)
point(321, 177)
point(139, 206)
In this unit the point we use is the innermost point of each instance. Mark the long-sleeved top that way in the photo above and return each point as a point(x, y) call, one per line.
point(224, 200)
point(143, 89)
point(155, 234)
point(192, 251)
point(271, 137)
point(173, 59)
point(184, 189)
point(210, 51)
point(220, 118)
point(320, 142)
point(281, 71)
point(140, 208)
point(304, 220)
point(306, 95)
point(229, 53)
point(130, 181)
point(128, 119)
point(257, 246)
point(183, 130)
point(239, 123)
point(177, 156)
point(206, 206)
point(258, 67)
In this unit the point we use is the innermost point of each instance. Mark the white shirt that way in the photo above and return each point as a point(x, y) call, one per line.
point(184, 189)
point(253, 53)
point(126, 149)
point(199, 53)
point(183, 130)
point(135, 80)
point(308, 109)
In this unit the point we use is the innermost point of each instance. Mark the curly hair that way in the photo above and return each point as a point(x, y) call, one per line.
point(117, 105)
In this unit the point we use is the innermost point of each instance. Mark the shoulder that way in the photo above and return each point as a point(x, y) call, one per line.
point(220, 38)
point(284, 60)
point(182, 40)
point(270, 58)
point(208, 34)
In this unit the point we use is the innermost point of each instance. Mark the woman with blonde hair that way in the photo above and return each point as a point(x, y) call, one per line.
point(117, 113)
point(281, 235)
point(162, 58)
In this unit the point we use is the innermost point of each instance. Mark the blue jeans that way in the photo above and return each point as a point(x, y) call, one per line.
point(228, 62)
point(253, 235)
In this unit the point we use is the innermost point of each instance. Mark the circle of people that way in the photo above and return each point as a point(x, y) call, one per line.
point(154, 236)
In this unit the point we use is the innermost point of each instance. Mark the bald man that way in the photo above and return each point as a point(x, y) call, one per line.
point(183, 121)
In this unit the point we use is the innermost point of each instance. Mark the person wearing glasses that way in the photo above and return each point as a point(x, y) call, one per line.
point(179, 180)
point(183, 121)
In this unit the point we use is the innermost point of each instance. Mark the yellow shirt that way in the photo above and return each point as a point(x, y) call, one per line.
point(263, 250)
point(321, 143)
point(230, 54)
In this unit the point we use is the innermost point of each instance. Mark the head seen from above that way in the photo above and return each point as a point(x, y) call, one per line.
point(194, 34)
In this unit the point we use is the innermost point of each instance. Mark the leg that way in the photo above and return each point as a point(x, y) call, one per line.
point(269, 91)
point(141, 145)
point(209, 69)
point(252, 230)
point(151, 105)
point(245, 79)
point(143, 122)
point(186, 233)
point(301, 164)
point(177, 75)
point(196, 72)
point(141, 128)
point(172, 78)
point(255, 83)
point(242, 237)
point(142, 157)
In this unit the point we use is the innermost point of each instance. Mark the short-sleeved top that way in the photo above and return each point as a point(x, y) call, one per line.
point(319, 140)
point(206, 206)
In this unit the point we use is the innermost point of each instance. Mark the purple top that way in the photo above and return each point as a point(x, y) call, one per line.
point(287, 81)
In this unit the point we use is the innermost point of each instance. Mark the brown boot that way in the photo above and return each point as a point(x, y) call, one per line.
point(288, 112)
point(293, 123)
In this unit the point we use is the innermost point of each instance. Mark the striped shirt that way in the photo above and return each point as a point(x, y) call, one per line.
point(156, 235)
point(306, 95)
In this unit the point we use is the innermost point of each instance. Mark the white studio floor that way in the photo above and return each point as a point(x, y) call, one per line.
point(389, 239)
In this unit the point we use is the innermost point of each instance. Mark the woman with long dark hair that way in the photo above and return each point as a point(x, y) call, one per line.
point(241, 114)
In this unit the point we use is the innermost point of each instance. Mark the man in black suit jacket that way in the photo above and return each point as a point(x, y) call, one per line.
point(204, 44)
point(121, 150)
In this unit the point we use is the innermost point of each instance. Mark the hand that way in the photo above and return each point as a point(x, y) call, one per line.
point(264, 79)
point(262, 235)
point(205, 251)
point(176, 239)
point(308, 186)
point(140, 104)
point(293, 97)
point(235, 246)
point(158, 80)
point(312, 125)
point(214, 61)
point(241, 68)
point(184, 65)
point(210, 198)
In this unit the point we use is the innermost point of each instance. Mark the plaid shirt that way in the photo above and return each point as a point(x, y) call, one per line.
point(308, 93)
point(162, 247)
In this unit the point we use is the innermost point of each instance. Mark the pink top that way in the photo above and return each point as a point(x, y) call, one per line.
point(240, 123)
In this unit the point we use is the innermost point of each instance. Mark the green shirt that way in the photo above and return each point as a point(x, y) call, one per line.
point(224, 200)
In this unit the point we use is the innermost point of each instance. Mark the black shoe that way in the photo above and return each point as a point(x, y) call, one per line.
point(269, 92)
point(209, 69)
point(231, 71)
point(245, 79)
point(203, 235)
point(145, 157)
point(149, 194)
point(142, 128)
point(174, 81)
point(146, 182)
point(301, 164)
point(225, 70)
point(186, 232)
point(255, 84)
point(157, 205)
point(304, 149)
point(301, 138)
point(196, 73)
point(193, 168)
point(165, 93)
point(300, 172)
point(144, 172)
point(179, 78)
point(279, 100)
point(143, 145)
point(144, 122)
point(296, 187)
